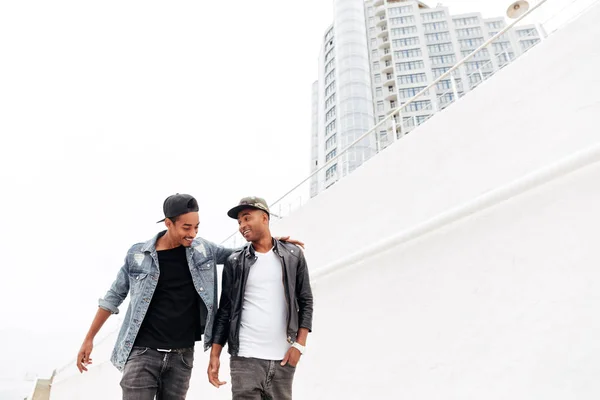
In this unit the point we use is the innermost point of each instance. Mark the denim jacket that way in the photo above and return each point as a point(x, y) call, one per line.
point(139, 277)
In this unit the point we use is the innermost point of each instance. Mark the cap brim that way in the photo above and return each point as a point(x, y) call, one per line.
point(233, 213)
point(162, 220)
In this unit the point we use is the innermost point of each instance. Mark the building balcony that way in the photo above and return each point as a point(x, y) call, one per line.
point(384, 44)
point(382, 21)
point(378, 3)
point(387, 69)
point(380, 10)
point(386, 56)
point(383, 32)
point(389, 81)
point(392, 96)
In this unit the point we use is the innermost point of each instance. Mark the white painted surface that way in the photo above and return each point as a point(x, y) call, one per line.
point(501, 304)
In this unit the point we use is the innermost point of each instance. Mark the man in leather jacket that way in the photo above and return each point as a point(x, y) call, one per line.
point(265, 312)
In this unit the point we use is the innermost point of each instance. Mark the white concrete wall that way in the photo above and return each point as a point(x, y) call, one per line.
point(500, 304)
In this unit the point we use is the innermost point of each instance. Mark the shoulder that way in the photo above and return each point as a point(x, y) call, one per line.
point(291, 249)
point(235, 256)
point(136, 248)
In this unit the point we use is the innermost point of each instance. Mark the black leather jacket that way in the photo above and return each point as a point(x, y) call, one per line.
point(235, 275)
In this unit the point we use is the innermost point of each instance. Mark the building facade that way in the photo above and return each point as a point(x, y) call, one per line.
point(378, 54)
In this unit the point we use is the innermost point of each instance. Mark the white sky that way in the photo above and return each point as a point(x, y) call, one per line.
point(108, 107)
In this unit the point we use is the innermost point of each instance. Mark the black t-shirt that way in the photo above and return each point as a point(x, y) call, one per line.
point(173, 318)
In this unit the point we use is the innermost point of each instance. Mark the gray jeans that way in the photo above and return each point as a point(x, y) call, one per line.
point(254, 379)
point(149, 373)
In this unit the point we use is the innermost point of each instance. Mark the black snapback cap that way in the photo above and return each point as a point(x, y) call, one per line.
point(179, 204)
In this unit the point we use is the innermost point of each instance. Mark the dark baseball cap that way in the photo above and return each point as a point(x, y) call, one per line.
point(249, 202)
point(179, 204)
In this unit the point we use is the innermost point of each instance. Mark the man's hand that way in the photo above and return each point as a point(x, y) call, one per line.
point(292, 241)
point(83, 357)
point(292, 357)
point(213, 371)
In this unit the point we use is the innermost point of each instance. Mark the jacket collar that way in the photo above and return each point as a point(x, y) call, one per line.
point(150, 245)
point(250, 252)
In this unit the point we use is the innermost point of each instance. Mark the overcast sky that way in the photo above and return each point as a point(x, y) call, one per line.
point(108, 107)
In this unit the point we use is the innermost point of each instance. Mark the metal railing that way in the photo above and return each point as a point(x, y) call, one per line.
point(403, 119)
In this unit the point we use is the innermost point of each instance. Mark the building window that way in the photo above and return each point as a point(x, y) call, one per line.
point(330, 114)
point(444, 85)
point(404, 31)
point(376, 65)
point(402, 20)
point(408, 53)
point(413, 78)
point(476, 65)
point(411, 92)
point(373, 42)
point(331, 172)
point(392, 104)
point(378, 92)
point(483, 53)
point(436, 37)
point(330, 101)
point(476, 31)
point(331, 142)
point(436, 26)
point(330, 77)
point(408, 66)
point(377, 78)
point(380, 106)
point(400, 10)
point(466, 21)
point(500, 46)
point(470, 43)
point(330, 89)
point(440, 48)
point(526, 32)
point(447, 59)
point(329, 65)
point(329, 34)
point(330, 155)
point(422, 118)
point(504, 58)
point(431, 16)
point(418, 105)
point(330, 128)
point(329, 55)
point(412, 41)
point(495, 25)
point(527, 44)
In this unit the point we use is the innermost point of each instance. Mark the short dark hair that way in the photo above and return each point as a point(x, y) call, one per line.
point(174, 219)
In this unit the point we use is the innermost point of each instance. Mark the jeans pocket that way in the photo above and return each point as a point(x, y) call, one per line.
point(187, 358)
point(137, 352)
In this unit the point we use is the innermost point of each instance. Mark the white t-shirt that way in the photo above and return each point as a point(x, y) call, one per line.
point(264, 311)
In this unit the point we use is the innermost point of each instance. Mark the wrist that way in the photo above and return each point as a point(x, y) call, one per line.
point(300, 347)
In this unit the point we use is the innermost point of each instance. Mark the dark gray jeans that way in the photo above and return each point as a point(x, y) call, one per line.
point(149, 373)
point(254, 379)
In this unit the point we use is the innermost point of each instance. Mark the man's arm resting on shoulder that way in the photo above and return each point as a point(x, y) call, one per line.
point(222, 253)
point(107, 306)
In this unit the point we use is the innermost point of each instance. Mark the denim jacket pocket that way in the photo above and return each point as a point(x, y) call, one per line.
point(136, 280)
point(205, 265)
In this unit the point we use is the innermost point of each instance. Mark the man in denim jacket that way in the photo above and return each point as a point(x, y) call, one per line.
point(172, 280)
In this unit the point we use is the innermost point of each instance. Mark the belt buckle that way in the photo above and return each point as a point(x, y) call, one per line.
point(164, 350)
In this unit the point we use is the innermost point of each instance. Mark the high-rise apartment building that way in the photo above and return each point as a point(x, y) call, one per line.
point(378, 54)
